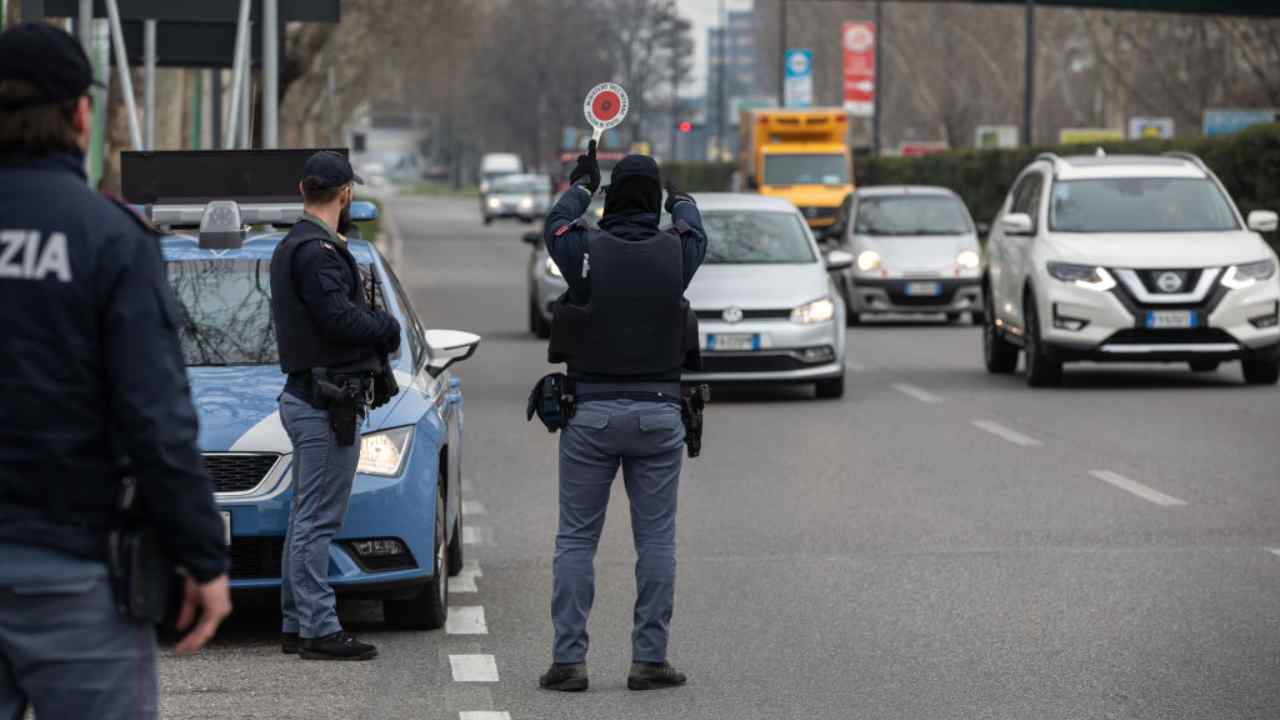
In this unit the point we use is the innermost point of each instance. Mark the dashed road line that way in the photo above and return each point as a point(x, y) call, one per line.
point(855, 366)
point(483, 715)
point(920, 394)
point(466, 620)
point(464, 583)
point(1273, 550)
point(472, 508)
point(472, 535)
point(474, 668)
point(1133, 486)
point(472, 568)
point(467, 486)
point(1005, 433)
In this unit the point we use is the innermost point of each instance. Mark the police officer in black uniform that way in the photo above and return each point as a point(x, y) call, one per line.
point(626, 332)
point(332, 345)
point(92, 380)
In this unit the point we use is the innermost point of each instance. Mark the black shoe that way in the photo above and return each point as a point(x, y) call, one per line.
point(289, 643)
point(565, 677)
point(337, 646)
point(653, 676)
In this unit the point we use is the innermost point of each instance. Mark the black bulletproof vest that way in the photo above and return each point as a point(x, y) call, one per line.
point(637, 321)
point(302, 345)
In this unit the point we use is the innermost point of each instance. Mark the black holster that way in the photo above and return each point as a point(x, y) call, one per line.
point(145, 583)
point(692, 401)
point(553, 401)
point(345, 397)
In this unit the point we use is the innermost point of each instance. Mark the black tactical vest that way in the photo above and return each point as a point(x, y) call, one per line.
point(302, 346)
point(637, 321)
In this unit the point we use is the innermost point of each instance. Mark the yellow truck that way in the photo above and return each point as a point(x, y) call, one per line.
point(801, 155)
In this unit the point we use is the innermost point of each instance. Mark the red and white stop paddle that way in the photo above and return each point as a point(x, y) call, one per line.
point(606, 107)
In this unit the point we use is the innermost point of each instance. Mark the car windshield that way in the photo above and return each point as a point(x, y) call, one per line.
point(805, 170)
point(912, 215)
point(1139, 205)
point(225, 308)
point(521, 184)
point(755, 237)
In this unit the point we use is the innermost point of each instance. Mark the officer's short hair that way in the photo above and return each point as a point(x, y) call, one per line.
point(317, 191)
point(35, 129)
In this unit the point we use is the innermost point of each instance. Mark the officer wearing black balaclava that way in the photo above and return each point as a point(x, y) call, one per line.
point(626, 332)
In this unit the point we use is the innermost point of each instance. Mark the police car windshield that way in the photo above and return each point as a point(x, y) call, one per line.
point(225, 311)
point(735, 237)
point(1139, 205)
point(912, 215)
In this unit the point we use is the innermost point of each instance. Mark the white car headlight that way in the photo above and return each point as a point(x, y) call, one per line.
point(1088, 277)
point(494, 203)
point(1238, 277)
point(817, 311)
point(526, 203)
point(868, 260)
point(383, 453)
point(968, 259)
point(552, 268)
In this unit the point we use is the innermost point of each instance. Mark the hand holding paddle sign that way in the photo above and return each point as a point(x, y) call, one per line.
point(606, 106)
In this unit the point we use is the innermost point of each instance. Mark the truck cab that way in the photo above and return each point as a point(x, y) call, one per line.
point(799, 155)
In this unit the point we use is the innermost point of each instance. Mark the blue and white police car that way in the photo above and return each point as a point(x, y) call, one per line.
point(403, 530)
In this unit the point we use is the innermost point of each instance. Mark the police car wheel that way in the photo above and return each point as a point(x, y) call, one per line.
point(428, 609)
point(455, 547)
point(830, 389)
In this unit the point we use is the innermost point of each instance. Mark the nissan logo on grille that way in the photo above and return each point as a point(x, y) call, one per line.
point(1169, 282)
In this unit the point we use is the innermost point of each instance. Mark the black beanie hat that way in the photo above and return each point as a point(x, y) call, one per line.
point(635, 186)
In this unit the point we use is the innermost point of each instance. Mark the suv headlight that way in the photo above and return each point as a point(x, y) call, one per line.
point(383, 453)
point(1086, 276)
point(552, 268)
point(868, 260)
point(817, 311)
point(494, 203)
point(968, 259)
point(1238, 277)
point(526, 203)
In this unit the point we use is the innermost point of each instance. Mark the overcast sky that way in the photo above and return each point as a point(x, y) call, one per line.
point(704, 14)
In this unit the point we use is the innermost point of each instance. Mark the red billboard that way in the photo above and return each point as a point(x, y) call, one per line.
point(859, 41)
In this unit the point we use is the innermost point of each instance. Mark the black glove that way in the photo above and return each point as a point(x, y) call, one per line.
point(674, 196)
point(587, 172)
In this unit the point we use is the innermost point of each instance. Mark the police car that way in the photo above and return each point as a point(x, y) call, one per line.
point(403, 530)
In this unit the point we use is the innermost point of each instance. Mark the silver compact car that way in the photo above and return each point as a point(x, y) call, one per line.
point(916, 251)
point(544, 282)
point(524, 197)
point(767, 309)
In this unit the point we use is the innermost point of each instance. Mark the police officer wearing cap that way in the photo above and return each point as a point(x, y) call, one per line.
point(331, 345)
point(625, 332)
point(92, 380)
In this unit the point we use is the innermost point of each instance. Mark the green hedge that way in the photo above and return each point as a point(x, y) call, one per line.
point(698, 176)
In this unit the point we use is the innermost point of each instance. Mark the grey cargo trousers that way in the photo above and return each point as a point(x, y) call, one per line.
point(647, 440)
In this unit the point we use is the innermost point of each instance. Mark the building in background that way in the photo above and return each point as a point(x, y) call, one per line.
point(387, 144)
point(734, 46)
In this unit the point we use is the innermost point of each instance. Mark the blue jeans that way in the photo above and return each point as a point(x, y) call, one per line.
point(647, 440)
point(322, 476)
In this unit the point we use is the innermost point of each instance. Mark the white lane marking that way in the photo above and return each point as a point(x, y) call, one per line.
point(471, 567)
point(483, 715)
point(920, 394)
point(855, 366)
point(463, 583)
point(472, 535)
point(472, 508)
point(466, 620)
point(1011, 435)
point(467, 486)
point(474, 668)
point(1137, 488)
point(1274, 551)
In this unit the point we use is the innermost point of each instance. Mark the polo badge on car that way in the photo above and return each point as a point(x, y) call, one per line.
point(1169, 282)
point(732, 315)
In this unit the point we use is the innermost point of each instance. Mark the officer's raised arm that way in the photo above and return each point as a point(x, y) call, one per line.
point(688, 221)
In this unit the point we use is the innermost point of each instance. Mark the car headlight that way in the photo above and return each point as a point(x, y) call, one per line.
point(817, 311)
point(1238, 277)
point(383, 453)
point(526, 203)
point(868, 260)
point(494, 203)
point(1089, 277)
point(968, 259)
point(552, 268)
point(599, 212)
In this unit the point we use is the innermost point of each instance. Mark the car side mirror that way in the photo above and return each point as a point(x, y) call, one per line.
point(1016, 224)
point(363, 211)
point(531, 237)
point(447, 347)
point(839, 260)
point(984, 229)
point(1263, 221)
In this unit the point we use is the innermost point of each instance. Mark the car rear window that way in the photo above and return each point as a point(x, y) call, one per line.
point(912, 215)
point(755, 237)
point(1139, 205)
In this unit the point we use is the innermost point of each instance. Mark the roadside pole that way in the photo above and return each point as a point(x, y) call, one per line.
point(122, 66)
point(270, 74)
point(149, 82)
point(237, 74)
point(196, 140)
point(1029, 94)
point(879, 87)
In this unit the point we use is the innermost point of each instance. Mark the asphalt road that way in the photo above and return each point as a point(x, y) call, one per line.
point(940, 543)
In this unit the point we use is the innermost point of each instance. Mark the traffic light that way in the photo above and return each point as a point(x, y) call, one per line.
point(684, 126)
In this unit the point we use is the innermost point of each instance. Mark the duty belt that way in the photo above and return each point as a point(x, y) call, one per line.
point(668, 392)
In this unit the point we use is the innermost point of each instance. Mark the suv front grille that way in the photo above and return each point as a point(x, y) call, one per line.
point(767, 314)
point(238, 472)
point(1171, 336)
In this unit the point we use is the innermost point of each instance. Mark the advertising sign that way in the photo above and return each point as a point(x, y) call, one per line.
point(1148, 128)
point(859, 41)
point(1225, 122)
point(797, 91)
point(1081, 136)
point(989, 137)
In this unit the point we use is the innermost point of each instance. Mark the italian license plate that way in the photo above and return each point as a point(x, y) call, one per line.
point(733, 342)
point(226, 526)
point(924, 289)
point(1166, 319)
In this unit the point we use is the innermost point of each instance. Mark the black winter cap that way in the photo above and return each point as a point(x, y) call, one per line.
point(635, 186)
point(48, 58)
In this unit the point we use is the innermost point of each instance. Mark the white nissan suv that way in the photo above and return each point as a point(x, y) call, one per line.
point(1129, 258)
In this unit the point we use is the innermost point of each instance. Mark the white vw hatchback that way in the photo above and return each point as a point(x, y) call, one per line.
point(1129, 258)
